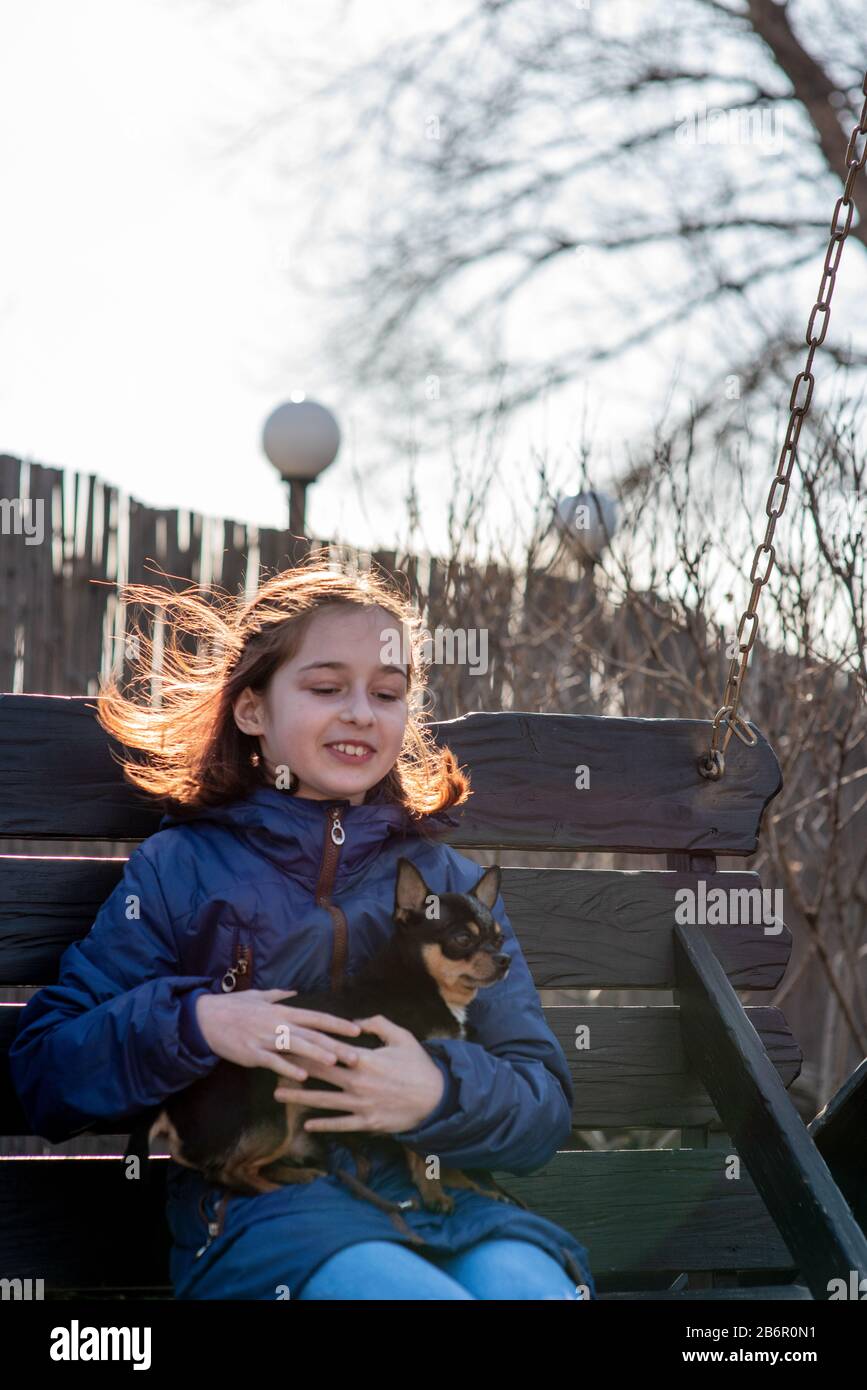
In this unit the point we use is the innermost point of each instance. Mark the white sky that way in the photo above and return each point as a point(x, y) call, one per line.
point(147, 324)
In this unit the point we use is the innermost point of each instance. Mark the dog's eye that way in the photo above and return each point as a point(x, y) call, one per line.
point(462, 938)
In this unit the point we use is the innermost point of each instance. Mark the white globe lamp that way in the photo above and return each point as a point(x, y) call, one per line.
point(301, 438)
point(587, 523)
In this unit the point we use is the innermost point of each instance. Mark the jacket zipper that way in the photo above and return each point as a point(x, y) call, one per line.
point(215, 1222)
point(239, 975)
point(334, 838)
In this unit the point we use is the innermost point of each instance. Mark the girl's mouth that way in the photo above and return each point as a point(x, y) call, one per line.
point(359, 756)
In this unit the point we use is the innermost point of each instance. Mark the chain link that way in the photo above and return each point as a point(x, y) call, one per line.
point(712, 763)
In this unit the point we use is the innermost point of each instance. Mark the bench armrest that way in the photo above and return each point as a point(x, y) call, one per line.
point(795, 1183)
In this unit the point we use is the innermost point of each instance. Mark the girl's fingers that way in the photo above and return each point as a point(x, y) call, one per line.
point(306, 1047)
point(328, 1023)
point(326, 1100)
point(319, 1045)
point(285, 1068)
point(301, 1044)
point(335, 1124)
point(343, 1053)
point(383, 1028)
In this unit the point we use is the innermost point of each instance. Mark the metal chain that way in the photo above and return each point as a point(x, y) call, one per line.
point(712, 763)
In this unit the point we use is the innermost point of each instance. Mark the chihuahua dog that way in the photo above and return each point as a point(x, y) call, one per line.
point(444, 949)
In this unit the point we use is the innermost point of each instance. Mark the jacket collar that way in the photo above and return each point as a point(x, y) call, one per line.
point(292, 831)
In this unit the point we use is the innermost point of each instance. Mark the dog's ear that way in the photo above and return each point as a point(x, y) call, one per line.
point(487, 890)
point(410, 890)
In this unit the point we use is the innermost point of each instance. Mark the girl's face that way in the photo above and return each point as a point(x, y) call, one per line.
point(335, 690)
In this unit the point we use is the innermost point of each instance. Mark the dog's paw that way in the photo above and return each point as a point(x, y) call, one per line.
point(442, 1202)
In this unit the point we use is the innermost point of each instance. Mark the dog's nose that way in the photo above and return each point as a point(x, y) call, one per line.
point(502, 959)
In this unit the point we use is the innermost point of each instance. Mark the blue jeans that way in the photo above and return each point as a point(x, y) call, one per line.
point(491, 1269)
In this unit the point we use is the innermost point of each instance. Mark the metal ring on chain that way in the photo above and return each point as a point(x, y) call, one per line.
point(712, 765)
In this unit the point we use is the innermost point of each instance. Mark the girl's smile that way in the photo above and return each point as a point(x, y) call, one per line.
point(334, 714)
point(351, 752)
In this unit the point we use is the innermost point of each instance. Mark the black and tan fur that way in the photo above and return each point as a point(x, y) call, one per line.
point(444, 949)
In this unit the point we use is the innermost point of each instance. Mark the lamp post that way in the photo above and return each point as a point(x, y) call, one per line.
point(301, 438)
point(585, 524)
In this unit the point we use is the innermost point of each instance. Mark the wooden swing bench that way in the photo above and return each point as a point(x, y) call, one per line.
point(744, 1207)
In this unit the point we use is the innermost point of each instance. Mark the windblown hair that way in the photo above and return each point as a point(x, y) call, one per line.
point(194, 754)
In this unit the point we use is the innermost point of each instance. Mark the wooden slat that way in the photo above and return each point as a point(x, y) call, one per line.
point(643, 1210)
point(840, 1134)
point(655, 1209)
point(843, 1121)
point(86, 797)
point(785, 1164)
point(612, 929)
point(578, 928)
point(46, 903)
point(633, 1074)
point(645, 793)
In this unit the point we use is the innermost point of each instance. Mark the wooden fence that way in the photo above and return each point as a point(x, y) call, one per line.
point(59, 631)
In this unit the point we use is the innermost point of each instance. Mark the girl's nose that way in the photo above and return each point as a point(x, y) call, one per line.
point(358, 709)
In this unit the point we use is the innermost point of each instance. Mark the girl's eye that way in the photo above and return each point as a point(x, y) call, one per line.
point(329, 690)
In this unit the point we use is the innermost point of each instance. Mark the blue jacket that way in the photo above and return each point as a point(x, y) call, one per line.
point(263, 878)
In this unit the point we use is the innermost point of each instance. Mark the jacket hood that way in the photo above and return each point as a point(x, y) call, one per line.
point(290, 830)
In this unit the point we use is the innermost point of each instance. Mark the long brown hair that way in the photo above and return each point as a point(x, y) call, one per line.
point(194, 753)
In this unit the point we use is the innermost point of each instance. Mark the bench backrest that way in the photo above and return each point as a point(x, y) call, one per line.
point(661, 1209)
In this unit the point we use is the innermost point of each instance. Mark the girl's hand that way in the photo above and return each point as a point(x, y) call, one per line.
point(251, 1029)
point(390, 1089)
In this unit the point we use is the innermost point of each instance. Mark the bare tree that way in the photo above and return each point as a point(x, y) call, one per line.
point(634, 171)
point(648, 633)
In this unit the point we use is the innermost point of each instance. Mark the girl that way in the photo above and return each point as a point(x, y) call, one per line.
point(291, 751)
